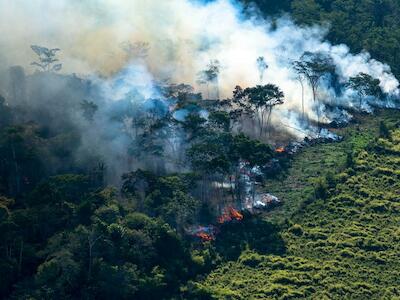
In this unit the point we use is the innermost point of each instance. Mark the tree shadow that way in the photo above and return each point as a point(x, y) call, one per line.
point(253, 233)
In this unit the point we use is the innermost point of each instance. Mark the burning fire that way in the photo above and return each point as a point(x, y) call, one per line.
point(280, 150)
point(205, 237)
point(208, 233)
point(205, 233)
point(229, 215)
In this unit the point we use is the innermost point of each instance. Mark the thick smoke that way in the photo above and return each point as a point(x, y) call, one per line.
point(183, 36)
point(124, 46)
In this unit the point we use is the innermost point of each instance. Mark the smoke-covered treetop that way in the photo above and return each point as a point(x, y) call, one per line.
point(140, 141)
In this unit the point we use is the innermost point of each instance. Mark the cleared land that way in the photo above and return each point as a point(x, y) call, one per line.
point(339, 223)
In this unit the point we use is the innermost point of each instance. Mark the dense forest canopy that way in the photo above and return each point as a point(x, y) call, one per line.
point(372, 26)
point(172, 155)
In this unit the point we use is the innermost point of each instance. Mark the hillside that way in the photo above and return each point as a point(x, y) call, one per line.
point(199, 149)
point(343, 243)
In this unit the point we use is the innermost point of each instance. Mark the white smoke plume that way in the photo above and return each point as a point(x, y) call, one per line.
point(183, 36)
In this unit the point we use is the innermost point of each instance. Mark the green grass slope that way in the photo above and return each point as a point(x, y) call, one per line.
point(341, 230)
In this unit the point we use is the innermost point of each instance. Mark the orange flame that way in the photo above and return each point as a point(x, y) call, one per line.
point(280, 150)
point(229, 215)
point(224, 218)
point(204, 236)
point(235, 214)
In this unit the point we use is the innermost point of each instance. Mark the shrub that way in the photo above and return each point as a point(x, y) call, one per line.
point(347, 253)
point(296, 229)
point(320, 188)
point(251, 259)
point(384, 130)
point(349, 160)
point(330, 179)
point(378, 206)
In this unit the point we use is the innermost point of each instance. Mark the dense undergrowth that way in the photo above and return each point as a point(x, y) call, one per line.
point(339, 224)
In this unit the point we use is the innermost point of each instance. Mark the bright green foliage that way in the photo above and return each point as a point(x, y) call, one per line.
point(343, 247)
point(365, 85)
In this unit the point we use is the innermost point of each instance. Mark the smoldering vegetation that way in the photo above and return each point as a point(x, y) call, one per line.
point(117, 124)
point(219, 106)
point(149, 124)
point(159, 102)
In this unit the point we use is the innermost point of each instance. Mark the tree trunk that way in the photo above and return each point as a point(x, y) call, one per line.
point(21, 249)
point(90, 258)
point(217, 88)
point(314, 91)
point(237, 184)
point(302, 98)
point(261, 123)
point(269, 120)
point(231, 188)
point(17, 179)
point(91, 241)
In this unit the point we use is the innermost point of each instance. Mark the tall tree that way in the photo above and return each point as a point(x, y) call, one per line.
point(210, 75)
point(300, 78)
point(5, 113)
point(259, 101)
point(313, 66)
point(365, 85)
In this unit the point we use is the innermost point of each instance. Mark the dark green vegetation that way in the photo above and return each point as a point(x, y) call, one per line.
point(371, 25)
point(68, 233)
point(64, 234)
point(339, 223)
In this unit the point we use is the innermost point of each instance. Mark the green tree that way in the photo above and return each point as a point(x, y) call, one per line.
point(211, 154)
point(210, 75)
point(313, 66)
point(5, 113)
point(365, 85)
point(219, 120)
point(193, 124)
point(259, 102)
point(262, 66)
point(253, 151)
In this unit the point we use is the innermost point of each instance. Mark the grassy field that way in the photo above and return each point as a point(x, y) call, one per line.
point(339, 224)
point(296, 185)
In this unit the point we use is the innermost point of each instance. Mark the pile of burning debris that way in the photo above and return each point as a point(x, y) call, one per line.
point(249, 199)
point(204, 233)
point(230, 214)
point(261, 202)
point(290, 149)
point(209, 232)
point(252, 199)
point(324, 136)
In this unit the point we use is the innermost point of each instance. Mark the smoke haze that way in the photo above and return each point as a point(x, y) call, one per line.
point(179, 38)
point(183, 36)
